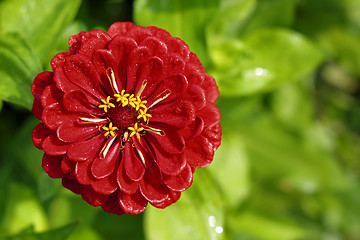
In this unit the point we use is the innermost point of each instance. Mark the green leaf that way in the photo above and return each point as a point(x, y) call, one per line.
point(84, 232)
point(182, 18)
point(298, 159)
point(126, 227)
point(335, 26)
point(259, 63)
point(19, 66)
point(263, 227)
point(23, 209)
point(270, 13)
point(40, 21)
point(237, 18)
point(290, 99)
point(197, 215)
point(229, 20)
point(230, 169)
point(56, 234)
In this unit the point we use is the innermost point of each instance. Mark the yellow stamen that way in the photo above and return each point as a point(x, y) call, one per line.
point(107, 104)
point(132, 100)
point(140, 103)
point(135, 130)
point(144, 115)
point(110, 130)
point(122, 97)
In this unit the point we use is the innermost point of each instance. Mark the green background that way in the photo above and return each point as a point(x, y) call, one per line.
point(288, 167)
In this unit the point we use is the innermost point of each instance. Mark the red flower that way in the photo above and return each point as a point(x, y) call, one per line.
point(127, 116)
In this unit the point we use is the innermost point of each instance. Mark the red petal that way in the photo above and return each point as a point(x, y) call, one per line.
point(194, 60)
point(170, 141)
point(121, 46)
point(75, 42)
point(133, 166)
point(55, 114)
point(93, 40)
point(210, 114)
point(53, 146)
point(152, 186)
point(67, 166)
point(74, 132)
point(119, 28)
point(195, 76)
point(50, 95)
point(138, 33)
point(132, 204)
point(180, 182)
point(37, 109)
point(196, 96)
point(72, 185)
point(80, 71)
point(85, 150)
point(93, 198)
point(175, 84)
point(210, 88)
point(62, 82)
point(145, 152)
point(60, 79)
point(170, 199)
point(76, 101)
point(159, 33)
point(41, 81)
point(170, 163)
point(193, 129)
point(214, 135)
point(52, 166)
point(103, 61)
point(178, 114)
point(156, 46)
point(103, 167)
point(176, 45)
point(173, 63)
point(125, 183)
point(106, 185)
point(199, 152)
point(136, 57)
point(151, 71)
point(112, 205)
point(83, 173)
point(39, 133)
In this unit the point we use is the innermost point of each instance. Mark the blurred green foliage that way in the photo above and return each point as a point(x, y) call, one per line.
point(288, 74)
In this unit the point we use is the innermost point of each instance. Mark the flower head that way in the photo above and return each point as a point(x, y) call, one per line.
point(127, 115)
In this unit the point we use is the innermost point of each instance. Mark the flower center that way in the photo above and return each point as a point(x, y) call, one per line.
point(126, 113)
point(122, 117)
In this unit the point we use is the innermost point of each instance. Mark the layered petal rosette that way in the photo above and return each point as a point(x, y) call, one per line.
point(127, 115)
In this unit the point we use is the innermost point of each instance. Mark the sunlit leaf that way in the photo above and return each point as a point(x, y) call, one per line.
point(84, 232)
point(255, 226)
point(258, 62)
point(23, 210)
point(198, 214)
point(230, 168)
point(290, 99)
point(182, 18)
point(39, 21)
point(19, 66)
point(56, 234)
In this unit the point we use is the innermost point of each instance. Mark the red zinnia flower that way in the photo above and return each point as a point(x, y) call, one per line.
point(126, 116)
